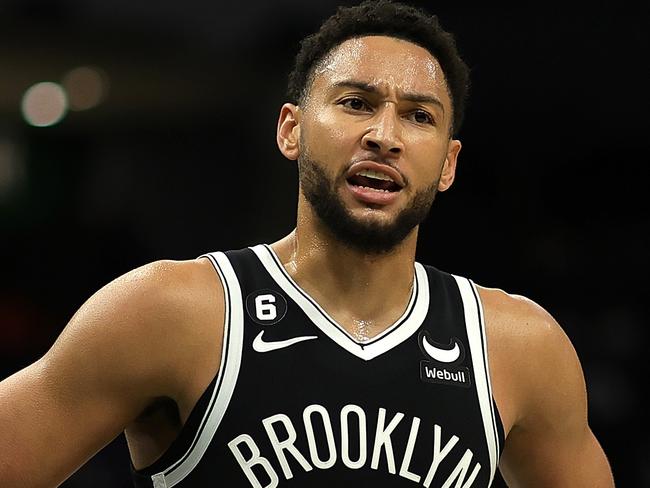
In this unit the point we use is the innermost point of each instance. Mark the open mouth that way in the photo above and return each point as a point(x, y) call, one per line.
point(374, 180)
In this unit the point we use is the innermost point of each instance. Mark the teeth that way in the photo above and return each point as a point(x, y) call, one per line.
point(374, 189)
point(374, 174)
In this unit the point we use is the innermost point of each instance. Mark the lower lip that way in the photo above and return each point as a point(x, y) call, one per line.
point(375, 197)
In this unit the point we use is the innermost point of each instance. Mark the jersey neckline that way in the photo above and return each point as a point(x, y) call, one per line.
point(403, 328)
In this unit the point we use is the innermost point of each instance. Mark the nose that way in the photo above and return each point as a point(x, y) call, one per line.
point(384, 136)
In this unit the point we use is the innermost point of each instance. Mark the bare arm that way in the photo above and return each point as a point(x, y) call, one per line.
point(551, 444)
point(119, 352)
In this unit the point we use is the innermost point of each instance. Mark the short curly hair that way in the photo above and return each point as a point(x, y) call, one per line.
point(383, 17)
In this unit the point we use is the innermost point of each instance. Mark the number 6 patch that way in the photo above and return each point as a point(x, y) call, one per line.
point(266, 307)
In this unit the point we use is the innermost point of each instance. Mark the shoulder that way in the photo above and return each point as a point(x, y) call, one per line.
point(148, 334)
point(519, 321)
point(149, 328)
point(160, 295)
point(167, 288)
point(534, 351)
point(518, 317)
point(542, 387)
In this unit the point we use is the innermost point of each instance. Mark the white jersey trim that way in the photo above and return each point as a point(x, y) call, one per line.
point(487, 366)
point(478, 347)
point(402, 329)
point(231, 353)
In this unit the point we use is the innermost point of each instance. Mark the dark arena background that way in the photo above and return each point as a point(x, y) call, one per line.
point(155, 138)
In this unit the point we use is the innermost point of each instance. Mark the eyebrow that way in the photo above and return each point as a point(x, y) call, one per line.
point(411, 97)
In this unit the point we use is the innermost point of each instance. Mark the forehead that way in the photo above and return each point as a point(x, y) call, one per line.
point(386, 62)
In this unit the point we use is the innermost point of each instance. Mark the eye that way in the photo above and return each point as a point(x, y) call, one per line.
point(354, 103)
point(421, 117)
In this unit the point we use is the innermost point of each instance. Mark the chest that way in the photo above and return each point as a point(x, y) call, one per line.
point(295, 397)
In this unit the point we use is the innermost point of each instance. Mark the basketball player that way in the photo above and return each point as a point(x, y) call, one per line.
point(328, 358)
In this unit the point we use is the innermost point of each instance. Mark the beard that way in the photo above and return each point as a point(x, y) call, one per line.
point(365, 235)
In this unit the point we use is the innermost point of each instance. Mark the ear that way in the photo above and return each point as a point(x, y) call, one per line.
point(288, 132)
point(449, 167)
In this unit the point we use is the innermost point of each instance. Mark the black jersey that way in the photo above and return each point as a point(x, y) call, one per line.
point(300, 402)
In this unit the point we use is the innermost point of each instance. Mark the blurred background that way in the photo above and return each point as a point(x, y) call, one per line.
point(137, 131)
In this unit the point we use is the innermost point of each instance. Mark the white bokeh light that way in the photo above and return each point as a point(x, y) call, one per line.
point(44, 104)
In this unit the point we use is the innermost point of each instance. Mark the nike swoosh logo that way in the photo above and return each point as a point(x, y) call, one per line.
point(442, 355)
point(260, 345)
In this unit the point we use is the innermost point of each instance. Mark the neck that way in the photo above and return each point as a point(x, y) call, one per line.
point(365, 293)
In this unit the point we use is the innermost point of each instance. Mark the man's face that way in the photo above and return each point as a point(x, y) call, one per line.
point(374, 143)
